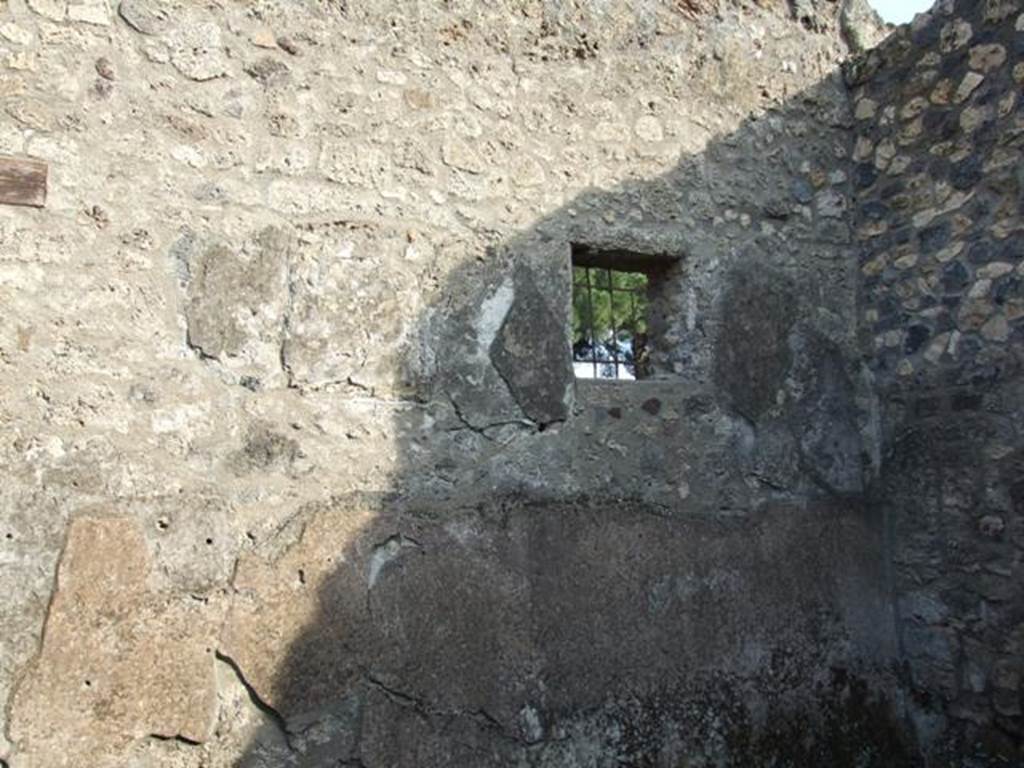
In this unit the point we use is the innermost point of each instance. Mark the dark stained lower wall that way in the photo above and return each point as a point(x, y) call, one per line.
point(510, 632)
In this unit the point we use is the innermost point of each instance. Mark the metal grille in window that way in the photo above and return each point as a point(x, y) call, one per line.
point(609, 323)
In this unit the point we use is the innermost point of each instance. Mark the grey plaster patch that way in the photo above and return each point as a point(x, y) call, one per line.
point(752, 353)
point(237, 297)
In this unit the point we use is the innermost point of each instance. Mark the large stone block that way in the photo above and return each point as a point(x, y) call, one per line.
point(118, 662)
point(531, 351)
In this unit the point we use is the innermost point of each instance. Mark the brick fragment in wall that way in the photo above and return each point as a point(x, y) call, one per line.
point(23, 181)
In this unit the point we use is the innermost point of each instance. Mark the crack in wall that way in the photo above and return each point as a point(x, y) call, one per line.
point(178, 738)
point(482, 430)
point(272, 714)
point(286, 320)
point(481, 717)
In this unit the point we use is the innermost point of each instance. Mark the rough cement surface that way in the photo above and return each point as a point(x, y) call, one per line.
point(289, 481)
point(464, 623)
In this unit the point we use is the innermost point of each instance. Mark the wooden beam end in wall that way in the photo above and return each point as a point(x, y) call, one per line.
point(22, 181)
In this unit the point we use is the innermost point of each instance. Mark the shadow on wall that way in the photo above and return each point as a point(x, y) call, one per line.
point(673, 572)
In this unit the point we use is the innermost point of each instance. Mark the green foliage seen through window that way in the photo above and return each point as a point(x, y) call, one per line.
point(609, 320)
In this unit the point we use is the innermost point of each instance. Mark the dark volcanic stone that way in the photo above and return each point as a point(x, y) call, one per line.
point(874, 210)
point(980, 252)
point(968, 173)
point(864, 175)
point(954, 277)
point(966, 401)
point(802, 191)
point(940, 124)
point(652, 406)
point(934, 238)
point(917, 335)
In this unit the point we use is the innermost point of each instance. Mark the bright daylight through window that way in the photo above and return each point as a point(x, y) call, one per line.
point(609, 323)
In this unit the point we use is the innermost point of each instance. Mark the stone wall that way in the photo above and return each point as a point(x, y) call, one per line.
point(938, 181)
point(296, 469)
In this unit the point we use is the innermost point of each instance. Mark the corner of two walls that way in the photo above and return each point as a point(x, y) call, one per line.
point(938, 188)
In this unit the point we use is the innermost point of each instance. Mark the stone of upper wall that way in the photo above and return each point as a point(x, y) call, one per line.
point(938, 120)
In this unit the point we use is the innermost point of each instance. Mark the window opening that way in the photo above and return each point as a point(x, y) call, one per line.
point(609, 323)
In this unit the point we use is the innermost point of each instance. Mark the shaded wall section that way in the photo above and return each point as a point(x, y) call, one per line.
point(938, 218)
point(586, 573)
